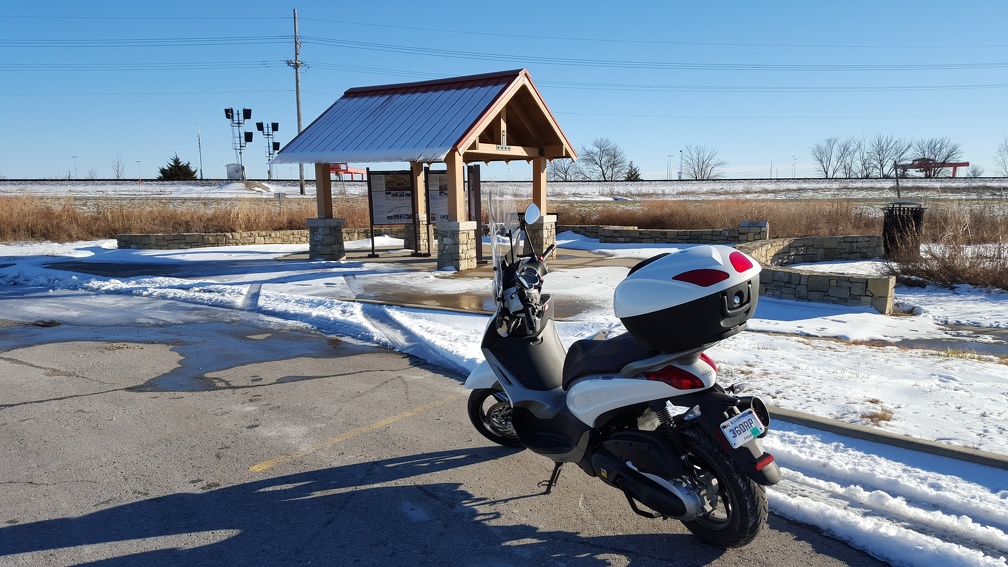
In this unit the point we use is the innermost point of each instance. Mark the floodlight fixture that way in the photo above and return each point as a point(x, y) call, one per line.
point(239, 138)
point(268, 129)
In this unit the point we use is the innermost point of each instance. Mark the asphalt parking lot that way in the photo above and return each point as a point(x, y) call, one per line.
point(219, 437)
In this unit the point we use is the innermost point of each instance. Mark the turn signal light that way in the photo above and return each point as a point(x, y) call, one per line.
point(675, 377)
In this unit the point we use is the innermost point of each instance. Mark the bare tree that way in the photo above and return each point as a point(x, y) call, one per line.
point(845, 156)
point(931, 153)
point(1001, 157)
point(603, 160)
point(118, 168)
point(824, 154)
point(700, 162)
point(976, 170)
point(561, 170)
point(862, 159)
point(886, 150)
point(91, 174)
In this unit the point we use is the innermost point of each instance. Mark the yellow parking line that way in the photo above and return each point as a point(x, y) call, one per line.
point(266, 465)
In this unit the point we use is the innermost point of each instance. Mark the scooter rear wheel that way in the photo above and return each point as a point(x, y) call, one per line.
point(492, 417)
point(742, 508)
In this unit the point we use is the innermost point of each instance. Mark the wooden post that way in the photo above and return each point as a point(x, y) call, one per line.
point(539, 183)
point(422, 236)
point(323, 191)
point(456, 186)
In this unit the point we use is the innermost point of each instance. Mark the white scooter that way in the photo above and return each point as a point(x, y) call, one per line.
point(641, 411)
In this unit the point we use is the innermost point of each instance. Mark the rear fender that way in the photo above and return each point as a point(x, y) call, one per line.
point(715, 408)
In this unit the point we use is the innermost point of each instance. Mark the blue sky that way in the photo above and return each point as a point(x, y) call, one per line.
point(761, 82)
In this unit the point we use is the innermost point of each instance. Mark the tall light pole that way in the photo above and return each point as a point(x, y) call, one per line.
point(668, 168)
point(272, 147)
point(75, 165)
point(680, 165)
point(794, 162)
point(139, 177)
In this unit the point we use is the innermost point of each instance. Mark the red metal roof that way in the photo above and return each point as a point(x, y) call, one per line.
point(413, 122)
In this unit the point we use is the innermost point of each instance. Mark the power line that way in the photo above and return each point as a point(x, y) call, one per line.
point(596, 39)
point(144, 42)
point(650, 65)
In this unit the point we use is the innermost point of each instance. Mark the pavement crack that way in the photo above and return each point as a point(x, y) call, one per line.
point(63, 398)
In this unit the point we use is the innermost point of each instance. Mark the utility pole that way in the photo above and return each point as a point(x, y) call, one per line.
point(199, 146)
point(297, 64)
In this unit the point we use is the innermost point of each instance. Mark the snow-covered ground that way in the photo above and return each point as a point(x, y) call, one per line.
point(903, 507)
point(939, 374)
point(873, 190)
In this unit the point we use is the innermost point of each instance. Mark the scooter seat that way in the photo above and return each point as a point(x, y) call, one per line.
point(589, 356)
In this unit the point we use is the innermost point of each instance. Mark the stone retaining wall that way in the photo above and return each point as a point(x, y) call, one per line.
point(746, 232)
point(777, 280)
point(202, 240)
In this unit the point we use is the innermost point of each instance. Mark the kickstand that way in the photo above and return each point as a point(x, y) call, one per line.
point(552, 480)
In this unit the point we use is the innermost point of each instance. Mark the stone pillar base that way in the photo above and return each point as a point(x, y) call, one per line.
point(325, 239)
point(456, 245)
point(542, 233)
point(424, 245)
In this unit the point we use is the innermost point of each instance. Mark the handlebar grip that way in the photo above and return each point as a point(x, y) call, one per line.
point(530, 321)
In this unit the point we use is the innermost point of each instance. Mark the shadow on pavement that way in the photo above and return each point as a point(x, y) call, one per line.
point(368, 513)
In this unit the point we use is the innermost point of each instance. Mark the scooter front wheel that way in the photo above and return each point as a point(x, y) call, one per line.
point(490, 413)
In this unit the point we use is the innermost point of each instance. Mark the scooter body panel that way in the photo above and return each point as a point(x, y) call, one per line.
point(592, 397)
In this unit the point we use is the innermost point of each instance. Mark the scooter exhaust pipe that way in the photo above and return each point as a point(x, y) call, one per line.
point(760, 408)
point(670, 498)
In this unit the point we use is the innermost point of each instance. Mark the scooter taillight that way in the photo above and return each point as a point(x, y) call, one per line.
point(676, 377)
point(708, 360)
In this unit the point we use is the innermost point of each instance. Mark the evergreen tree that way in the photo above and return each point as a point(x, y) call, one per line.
point(177, 171)
point(632, 173)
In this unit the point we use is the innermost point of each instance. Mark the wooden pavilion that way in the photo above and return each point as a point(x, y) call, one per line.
point(455, 121)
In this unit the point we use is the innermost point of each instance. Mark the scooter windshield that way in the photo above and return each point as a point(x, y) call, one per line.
point(504, 226)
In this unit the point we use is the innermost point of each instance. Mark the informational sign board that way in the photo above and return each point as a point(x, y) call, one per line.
point(390, 194)
point(437, 196)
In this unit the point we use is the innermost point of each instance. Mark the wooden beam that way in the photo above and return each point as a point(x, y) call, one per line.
point(523, 117)
point(514, 152)
point(323, 191)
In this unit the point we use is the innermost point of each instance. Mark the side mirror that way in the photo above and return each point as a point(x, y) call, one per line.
point(532, 213)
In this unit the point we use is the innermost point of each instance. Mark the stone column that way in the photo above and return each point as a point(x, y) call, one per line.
point(751, 231)
point(542, 233)
point(325, 239)
point(423, 247)
point(456, 245)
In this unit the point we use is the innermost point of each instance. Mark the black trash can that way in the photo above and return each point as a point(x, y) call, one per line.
point(902, 222)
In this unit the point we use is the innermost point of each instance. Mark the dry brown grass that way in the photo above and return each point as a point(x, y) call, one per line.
point(69, 219)
point(957, 229)
point(963, 245)
point(786, 218)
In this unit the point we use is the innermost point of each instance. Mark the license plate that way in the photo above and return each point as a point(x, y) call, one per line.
point(742, 428)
